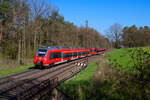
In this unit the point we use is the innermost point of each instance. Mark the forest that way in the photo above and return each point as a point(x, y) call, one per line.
point(26, 25)
point(128, 36)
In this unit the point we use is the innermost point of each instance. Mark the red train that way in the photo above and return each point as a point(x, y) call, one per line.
point(49, 56)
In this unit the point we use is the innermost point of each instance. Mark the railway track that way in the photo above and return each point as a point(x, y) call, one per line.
point(29, 83)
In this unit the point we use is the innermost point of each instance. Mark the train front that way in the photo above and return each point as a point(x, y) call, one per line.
point(40, 58)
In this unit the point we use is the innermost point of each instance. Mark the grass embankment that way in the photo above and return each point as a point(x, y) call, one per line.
point(79, 86)
point(120, 59)
point(129, 59)
point(15, 70)
point(125, 76)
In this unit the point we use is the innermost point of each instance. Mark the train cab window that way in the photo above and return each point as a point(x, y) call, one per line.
point(41, 52)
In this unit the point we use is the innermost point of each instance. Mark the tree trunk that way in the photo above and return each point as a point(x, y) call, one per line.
point(35, 36)
point(19, 51)
point(1, 33)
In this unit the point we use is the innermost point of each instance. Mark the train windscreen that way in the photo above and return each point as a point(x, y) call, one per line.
point(42, 52)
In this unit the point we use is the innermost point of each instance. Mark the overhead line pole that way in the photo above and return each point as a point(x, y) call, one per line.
point(87, 37)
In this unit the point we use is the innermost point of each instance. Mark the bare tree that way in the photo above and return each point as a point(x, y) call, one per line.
point(39, 9)
point(114, 34)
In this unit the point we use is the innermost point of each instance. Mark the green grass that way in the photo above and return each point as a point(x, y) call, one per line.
point(76, 86)
point(15, 70)
point(86, 74)
point(121, 58)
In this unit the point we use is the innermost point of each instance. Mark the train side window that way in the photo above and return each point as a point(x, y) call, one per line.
point(51, 56)
point(70, 54)
point(79, 53)
point(75, 53)
point(66, 55)
point(57, 54)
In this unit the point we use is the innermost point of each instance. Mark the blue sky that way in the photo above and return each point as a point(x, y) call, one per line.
point(103, 13)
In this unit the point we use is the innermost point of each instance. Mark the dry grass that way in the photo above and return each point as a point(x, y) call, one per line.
point(8, 64)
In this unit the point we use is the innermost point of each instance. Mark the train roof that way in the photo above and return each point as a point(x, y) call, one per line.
point(59, 47)
point(51, 47)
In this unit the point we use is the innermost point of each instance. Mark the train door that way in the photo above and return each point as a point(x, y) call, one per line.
point(62, 56)
point(51, 58)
